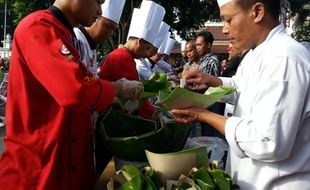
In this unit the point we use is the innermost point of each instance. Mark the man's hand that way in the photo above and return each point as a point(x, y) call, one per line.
point(197, 80)
point(189, 115)
point(128, 89)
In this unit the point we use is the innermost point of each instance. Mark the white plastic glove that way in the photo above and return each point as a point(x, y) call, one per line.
point(129, 89)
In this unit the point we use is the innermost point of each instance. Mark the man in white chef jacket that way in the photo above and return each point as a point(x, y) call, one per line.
point(101, 29)
point(89, 37)
point(269, 132)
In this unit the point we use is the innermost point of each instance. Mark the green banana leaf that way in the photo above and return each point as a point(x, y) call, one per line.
point(137, 183)
point(127, 136)
point(209, 179)
point(158, 82)
point(151, 176)
point(141, 179)
point(219, 179)
point(197, 187)
point(205, 186)
point(222, 90)
point(131, 171)
point(203, 174)
point(183, 98)
point(146, 178)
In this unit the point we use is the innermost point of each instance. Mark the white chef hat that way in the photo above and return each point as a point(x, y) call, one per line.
point(161, 49)
point(169, 45)
point(161, 34)
point(183, 44)
point(112, 9)
point(145, 22)
point(222, 2)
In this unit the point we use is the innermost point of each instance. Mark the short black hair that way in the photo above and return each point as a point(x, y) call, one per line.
point(272, 6)
point(207, 36)
point(193, 42)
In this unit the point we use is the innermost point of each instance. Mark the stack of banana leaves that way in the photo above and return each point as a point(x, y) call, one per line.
point(146, 178)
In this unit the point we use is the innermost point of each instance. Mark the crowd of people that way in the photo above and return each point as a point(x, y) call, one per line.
point(55, 92)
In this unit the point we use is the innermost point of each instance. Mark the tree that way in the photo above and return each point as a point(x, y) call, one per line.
point(300, 13)
point(185, 17)
point(24, 7)
point(9, 19)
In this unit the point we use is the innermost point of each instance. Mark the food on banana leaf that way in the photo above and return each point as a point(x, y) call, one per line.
point(131, 177)
point(127, 136)
point(171, 165)
point(146, 178)
point(206, 179)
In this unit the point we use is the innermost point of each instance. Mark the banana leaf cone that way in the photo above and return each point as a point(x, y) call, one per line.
point(127, 136)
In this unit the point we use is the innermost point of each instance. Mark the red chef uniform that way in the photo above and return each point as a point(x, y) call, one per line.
point(50, 101)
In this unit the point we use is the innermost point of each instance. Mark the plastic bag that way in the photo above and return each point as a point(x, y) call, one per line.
point(217, 148)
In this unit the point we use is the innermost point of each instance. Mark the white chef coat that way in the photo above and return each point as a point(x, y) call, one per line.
point(89, 56)
point(144, 68)
point(269, 133)
point(164, 67)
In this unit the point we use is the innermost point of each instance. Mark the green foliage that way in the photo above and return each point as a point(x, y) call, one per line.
point(24, 7)
point(188, 16)
point(302, 32)
point(300, 12)
point(185, 17)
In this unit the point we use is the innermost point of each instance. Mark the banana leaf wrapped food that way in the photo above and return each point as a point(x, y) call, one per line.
point(127, 136)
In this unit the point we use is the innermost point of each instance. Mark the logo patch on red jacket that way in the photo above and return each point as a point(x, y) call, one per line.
point(90, 78)
point(64, 50)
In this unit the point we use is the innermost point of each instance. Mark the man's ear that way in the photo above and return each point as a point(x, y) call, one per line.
point(258, 12)
point(209, 45)
point(140, 41)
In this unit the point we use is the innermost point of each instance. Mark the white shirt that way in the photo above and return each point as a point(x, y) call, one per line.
point(144, 68)
point(164, 67)
point(269, 133)
point(89, 56)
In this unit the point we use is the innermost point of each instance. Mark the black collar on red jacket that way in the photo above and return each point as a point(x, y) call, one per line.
point(60, 16)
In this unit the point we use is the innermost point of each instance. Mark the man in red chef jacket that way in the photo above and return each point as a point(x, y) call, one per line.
point(142, 34)
point(51, 96)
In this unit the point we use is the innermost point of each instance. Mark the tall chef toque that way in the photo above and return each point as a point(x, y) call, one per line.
point(223, 2)
point(161, 35)
point(161, 49)
point(112, 9)
point(183, 44)
point(169, 45)
point(146, 21)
